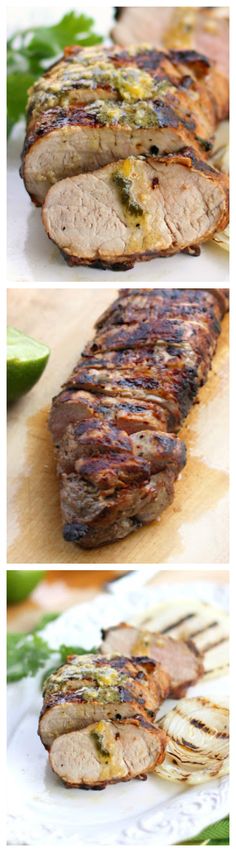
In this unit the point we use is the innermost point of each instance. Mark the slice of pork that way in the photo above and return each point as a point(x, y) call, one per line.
point(107, 752)
point(179, 659)
point(136, 209)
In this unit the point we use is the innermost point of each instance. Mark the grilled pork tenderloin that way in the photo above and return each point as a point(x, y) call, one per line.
point(136, 209)
point(92, 688)
point(133, 385)
point(107, 752)
point(99, 104)
point(179, 659)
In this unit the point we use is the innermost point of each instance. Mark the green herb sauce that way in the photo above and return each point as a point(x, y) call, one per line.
point(124, 186)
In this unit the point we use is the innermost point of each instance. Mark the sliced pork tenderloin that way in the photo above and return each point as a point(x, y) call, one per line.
point(90, 688)
point(97, 105)
point(136, 209)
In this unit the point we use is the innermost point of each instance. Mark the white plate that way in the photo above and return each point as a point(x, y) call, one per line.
point(42, 810)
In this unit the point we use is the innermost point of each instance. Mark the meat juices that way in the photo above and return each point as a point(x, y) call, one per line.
point(133, 385)
point(136, 210)
point(98, 105)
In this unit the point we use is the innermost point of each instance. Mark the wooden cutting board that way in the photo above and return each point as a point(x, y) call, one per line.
point(194, 529)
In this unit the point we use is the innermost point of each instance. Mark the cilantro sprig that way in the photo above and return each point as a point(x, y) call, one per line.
point(31, 51)
point(27, 653)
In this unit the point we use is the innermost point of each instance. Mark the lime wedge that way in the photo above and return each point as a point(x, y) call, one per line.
point(26, 360)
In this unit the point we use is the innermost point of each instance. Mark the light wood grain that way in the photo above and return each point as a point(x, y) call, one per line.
point(194, 529)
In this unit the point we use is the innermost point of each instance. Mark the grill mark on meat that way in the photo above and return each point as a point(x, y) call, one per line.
point(117, 462)
point(156, 332)
point(191, 57)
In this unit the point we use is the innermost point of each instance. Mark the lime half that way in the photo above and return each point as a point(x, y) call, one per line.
point(26, 360)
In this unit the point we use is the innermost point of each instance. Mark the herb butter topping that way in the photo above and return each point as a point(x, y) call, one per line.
point(139, 114)
point(76, 81)
point(88, 679)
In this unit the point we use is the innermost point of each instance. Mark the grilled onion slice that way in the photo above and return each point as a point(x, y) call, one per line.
point(222, 238)
point(220, 160)
point(204, 624)
point(198, 747)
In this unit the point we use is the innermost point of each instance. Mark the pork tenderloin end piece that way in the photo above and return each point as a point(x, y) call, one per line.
point(107, 752)
point(179, 659)
point(93, 518)
point(90, 688)
point(136, 209)
point(111, 482)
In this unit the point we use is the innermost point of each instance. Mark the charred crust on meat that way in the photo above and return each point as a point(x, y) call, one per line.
point(146, 59)
point(198, 61)
point(186, 81)
point(75, 532)
point(192, 251)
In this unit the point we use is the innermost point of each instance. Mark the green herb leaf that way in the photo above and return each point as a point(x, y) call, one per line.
point(30, 52)
point(18, 83)
point(26, 654)
point(73, 29)
point(216, 834)
point(68, 650)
